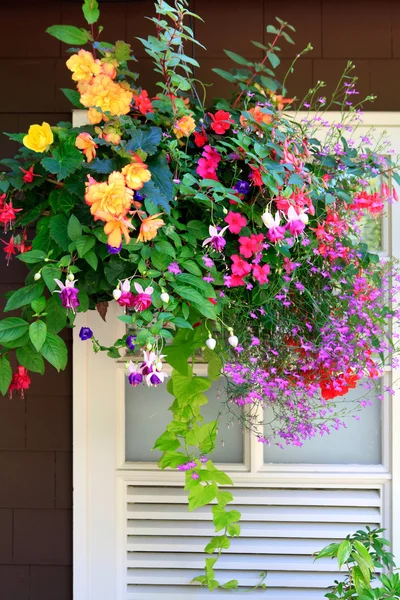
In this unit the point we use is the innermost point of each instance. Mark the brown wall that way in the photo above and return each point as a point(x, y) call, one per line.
point(35, 433)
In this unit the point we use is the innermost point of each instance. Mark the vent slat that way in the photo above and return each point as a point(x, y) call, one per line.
point(140, 592)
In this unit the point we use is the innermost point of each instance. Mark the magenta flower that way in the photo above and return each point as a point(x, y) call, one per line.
point(216, 239)
point(68, 293)
point(143, 299)
point(174, 268)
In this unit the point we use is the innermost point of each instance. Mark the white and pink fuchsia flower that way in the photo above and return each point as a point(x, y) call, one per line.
point(216, 239)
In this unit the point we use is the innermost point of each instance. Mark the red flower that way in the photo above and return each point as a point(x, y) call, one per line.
point(255, 176)
point(20, 381)
point(143, 102)
point(221, 121)
point(29, 175)
point(236, 221)
point(10, 248)
point(200, 138)
point(250, 245)
point(7, 214)
point(213, 301)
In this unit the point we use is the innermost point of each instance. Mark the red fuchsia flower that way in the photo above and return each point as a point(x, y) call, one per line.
point(20, 381)
point(143, 299)
point(126, 297)
point(200, 138)
point(260, 273)
point(373, 203)
point(10, 249)
point(240, 267)
point(255, 176)
point(2, 198)
point(68, 293)
point(8, 214)
point(143, 102)
point(29, 175)
point(235, 221)
point(251, 245)
point(298, 200)
point(216, 239)
point(221, 121)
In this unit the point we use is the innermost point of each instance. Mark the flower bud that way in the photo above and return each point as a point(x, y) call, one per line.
point(149, 347)
point(164, 297)
point(70, 277)
point(117, 294)
point(159, 366)
point(46, 259)
point(37, 276)
point(233, 341)
point(211, 343)
point(225, 211)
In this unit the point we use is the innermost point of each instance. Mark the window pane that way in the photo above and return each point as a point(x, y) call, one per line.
point(371, 230)
point(147, 415)
point(359, 443)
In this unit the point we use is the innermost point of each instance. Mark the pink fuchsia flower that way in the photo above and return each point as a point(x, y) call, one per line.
point(155, 378)
point(143, 299)
point(296, 220)
point(260, 273)
point(221, 121)
point(235, 221)
point(126, 297)
point(68, 293)
point(275, 231)
point(250, 245)
point(20, 381)
point(216, 239)
point(239, 266)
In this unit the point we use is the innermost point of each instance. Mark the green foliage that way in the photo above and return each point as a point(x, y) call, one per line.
point(69, 34)
point(54, 351)
point(24, 296)
point(91, 11)
point(65, 160)
point(5, 373)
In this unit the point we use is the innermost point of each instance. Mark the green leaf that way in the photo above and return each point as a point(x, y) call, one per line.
point(230, 585)
point(214, 364)
point(144, 138)
point(198, 229)
point(165, 248)
point(11, 329)
point(171, 458)
point(33, 256)
point(84, 244)
point(92, 260)
point(30, 359)
point(74, 228)
point(49, 274)
point(37, 334)
point(55, 351)
point(201, 495)
point(98, 165)
point(197, 300)
point(202, 436)
point(205, 288)
point(166, 441)
point(160, 190)
point(192, 267)
point(5, 373)
point(58, 230)
point(187, 387)
point(160, 260)
point(122, 51)
point(56, 317)
point(225, 75)
point(65, 160)
point(83, 302)
point(39, 304)
point(344, 552)
point(69, 34)
point(73, 96)
point(181, 323)
point(218, 542)
point(24, 296)
point(91, 11)
point(274, 59)
point(237, 58)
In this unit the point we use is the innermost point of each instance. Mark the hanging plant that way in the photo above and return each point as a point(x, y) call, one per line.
point(228, 230)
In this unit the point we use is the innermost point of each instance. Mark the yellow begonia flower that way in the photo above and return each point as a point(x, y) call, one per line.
point(149, 228)
point(86, 143)
point(83, 66)
point(113, 198)
point(94, 116)
point(184, 126)
point(39, 137)
point(136, 174)
point(107, 95)
point(115, 228)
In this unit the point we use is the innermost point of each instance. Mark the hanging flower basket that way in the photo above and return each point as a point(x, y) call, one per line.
point(230, 229)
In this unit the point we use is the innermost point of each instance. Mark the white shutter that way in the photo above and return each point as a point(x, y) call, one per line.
point(281, 529)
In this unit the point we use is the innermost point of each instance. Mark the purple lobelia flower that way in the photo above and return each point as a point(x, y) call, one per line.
point(85, 333)
point(68, 293)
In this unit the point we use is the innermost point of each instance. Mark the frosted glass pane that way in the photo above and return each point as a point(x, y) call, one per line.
point(147, 415)
point(359, 443)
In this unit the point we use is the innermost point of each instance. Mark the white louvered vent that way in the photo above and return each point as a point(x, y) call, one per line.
point(281, 529)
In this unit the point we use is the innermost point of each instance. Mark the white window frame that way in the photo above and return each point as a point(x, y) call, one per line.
point(101, 474)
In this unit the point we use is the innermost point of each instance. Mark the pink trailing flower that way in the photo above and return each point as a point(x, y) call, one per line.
point(68, 293)
point(251, 245)
point(240, 267)
point(208, 164)
point(275, 230)
point(296, 221)
point(235, 221)
point(143, 299)
point(260, 273)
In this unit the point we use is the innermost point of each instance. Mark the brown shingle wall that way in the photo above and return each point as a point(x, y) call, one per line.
point(35, 433)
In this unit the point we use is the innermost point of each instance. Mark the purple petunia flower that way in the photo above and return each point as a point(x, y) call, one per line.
point(130, 342)
point(242, 187)
point(85, 333)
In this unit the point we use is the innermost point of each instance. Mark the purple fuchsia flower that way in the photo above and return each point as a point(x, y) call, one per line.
point(130, 342)
point(174, 268)
point(242, 187)
point(112, 250)
point(216, 239)
point(85, 333)
point(68, 293)
point(143, 299)
point(135, 377)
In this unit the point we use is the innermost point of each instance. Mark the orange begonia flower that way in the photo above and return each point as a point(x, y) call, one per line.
point(113, 197)
point(95, 117)
point(149, 228)
point(86, 143)
point(184, 126)
point(105, 94)
point(258, 115)
point(115, 228)
point(136, 173)
point(83, 66)
point(281, 101)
